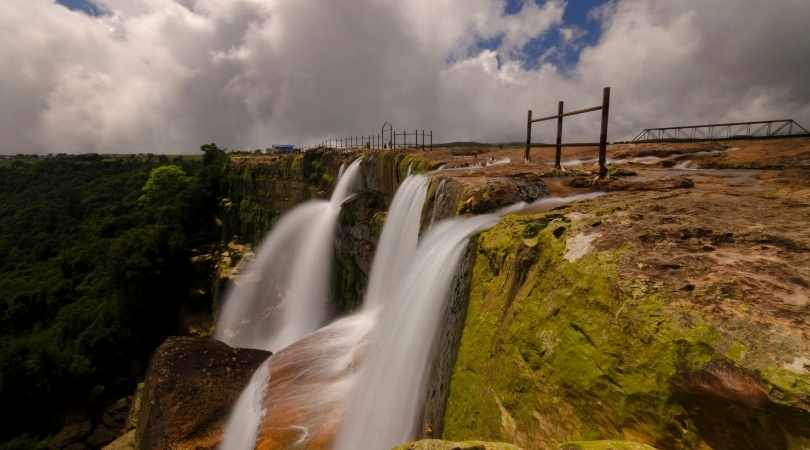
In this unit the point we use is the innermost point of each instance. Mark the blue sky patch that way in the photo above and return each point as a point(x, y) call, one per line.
point(550, 47)
point(85, 6)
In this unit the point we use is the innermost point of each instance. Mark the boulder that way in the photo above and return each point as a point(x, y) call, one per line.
point(189, 389)
point(72, 433)
point(125, 442)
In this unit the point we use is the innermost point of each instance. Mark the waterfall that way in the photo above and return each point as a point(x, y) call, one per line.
point(360, 382)
point(438, 200)
point(284, 294)
point(398, 240)
point(385, 406)
point(243, 424)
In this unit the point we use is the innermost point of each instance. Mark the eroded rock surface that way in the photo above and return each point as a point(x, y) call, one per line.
point(190, 387)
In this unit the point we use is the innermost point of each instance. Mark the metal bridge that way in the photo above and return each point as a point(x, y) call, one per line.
point(713, 131)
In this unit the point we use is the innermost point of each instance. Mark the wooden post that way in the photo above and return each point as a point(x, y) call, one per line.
point(423, 139)
point(603, 134)
point(528, 136)
point(431, 139)
point(558, 156)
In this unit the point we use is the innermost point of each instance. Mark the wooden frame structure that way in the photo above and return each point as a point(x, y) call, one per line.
point(604, 107)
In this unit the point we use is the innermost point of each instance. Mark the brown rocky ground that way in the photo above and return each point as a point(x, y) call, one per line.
point(740, 233)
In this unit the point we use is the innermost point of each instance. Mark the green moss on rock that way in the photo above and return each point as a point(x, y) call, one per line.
point(555, 351)
point(416, 163)
point(605, 445)
point(435, 444)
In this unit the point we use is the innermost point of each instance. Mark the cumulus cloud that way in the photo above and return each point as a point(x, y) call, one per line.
point(168, 75)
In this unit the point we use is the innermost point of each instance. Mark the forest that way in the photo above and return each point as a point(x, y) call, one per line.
point(94, 266)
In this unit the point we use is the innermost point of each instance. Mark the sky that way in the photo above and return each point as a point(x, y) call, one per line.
point(165, 76)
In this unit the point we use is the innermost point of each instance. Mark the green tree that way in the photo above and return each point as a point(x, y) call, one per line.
point(166, 186)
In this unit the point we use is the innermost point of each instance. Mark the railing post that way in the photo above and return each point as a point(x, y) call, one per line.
point(558, 156)
point(431, 139)
point(603, 133)
point(528, 136)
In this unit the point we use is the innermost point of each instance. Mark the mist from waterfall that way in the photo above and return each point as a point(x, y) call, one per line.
point(284, 293)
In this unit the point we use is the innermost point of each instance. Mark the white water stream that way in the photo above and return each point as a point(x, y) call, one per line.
point(385, 405)
point(284, 293)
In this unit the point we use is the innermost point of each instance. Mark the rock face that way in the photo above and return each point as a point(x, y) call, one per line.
point(447, 343)
point(433, 444)
point(190, 387)
point(452, 194)
point(605, 445)
point(678, 326)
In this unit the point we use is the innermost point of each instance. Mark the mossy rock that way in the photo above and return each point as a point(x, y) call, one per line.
point(435, 444)
point(605, 445)
point(555, 351)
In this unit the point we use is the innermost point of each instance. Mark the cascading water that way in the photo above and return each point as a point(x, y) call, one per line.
point(243, 424)
point(438, 201)
point(281, 298)
point(398, 240)
point(385, 405)
point(360, 382)
point(284, 293)
point(311, 379)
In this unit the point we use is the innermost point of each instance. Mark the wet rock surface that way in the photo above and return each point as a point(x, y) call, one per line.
point(189, 389)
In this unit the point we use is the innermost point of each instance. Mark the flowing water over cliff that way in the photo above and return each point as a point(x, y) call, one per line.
point(310, 380)
point(398, 240)
point(284, 294)
point(384, 408)
point(361, 381)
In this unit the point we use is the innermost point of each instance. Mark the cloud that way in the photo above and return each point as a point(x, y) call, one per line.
point(168, 75)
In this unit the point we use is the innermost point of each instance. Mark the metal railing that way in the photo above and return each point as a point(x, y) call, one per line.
point(388, 138)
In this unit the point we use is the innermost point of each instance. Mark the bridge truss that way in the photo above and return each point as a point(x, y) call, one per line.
point(713, 131)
